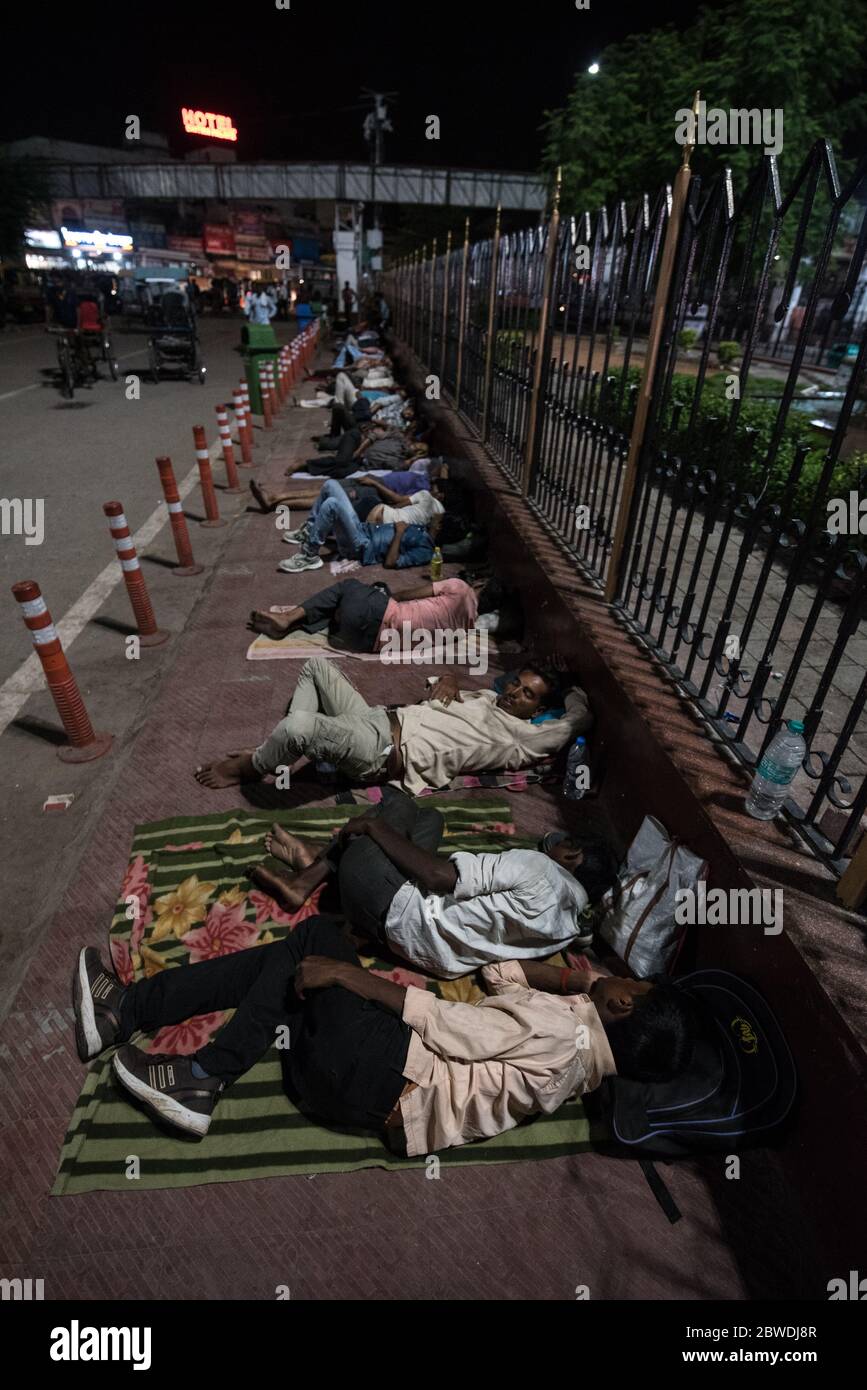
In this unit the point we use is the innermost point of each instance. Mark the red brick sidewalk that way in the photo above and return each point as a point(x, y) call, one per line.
point(524, 1231)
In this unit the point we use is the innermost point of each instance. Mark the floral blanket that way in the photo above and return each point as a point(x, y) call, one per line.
point(186, 897)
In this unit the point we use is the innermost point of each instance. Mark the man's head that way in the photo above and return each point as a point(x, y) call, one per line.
point(652, 1026)
point(531, 691)
point(587, 858)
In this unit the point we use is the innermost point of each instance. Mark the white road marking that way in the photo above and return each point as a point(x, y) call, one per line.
point(7, 395)
point(28, 679)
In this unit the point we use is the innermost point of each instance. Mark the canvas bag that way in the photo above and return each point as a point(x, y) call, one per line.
point(638, 921)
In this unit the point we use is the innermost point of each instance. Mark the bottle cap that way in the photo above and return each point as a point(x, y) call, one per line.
point(795, 726)
point(580, 741)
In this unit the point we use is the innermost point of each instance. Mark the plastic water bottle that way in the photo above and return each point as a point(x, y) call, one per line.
point(776, 771)
point(576, 779)
point(436, 565)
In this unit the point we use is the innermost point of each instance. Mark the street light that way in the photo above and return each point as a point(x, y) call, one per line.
point(593, 69)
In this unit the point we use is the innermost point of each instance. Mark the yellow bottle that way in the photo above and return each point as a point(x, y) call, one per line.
point(436, 565)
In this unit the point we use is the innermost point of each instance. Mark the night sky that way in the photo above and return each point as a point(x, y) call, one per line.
point(291, 80)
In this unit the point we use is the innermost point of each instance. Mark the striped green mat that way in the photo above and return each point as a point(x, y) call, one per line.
point(186, 897)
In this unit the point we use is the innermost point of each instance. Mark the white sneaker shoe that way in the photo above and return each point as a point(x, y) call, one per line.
point(300, 562)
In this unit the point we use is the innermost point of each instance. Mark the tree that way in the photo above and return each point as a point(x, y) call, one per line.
point(615, 135)
point(24, 184)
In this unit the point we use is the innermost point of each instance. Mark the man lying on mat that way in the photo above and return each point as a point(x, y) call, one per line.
point(417, 746)
point(359, 617)
point(423, 1073)
point(447, 916)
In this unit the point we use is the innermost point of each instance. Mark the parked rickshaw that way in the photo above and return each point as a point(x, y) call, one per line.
point(81, 350)
point(173, 344)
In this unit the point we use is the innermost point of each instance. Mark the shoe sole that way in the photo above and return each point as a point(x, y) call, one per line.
point(162, 1107)
point(87, 1036)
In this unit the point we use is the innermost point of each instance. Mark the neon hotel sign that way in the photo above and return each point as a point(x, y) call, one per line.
point(206, 123)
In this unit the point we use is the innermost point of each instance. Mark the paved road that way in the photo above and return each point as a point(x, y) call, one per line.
point(77, 455)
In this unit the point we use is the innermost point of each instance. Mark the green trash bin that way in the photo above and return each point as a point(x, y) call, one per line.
point(258, 344)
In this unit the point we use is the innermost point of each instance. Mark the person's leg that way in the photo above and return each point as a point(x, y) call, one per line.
point(322, 688)
point(270, 1000)
point(367, 881)
point(366, 498)
point(256, 978)
point(345, 1064)
point(274, 625)
point(336, 514)
point(348, 444)
point(427, 832)
point(328, 721)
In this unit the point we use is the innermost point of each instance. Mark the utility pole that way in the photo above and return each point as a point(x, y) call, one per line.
point(376, 123)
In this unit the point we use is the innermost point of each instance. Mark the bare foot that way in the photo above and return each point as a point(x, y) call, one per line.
point(268, 625)
point(277, 888)
point(228, 772)
point(286, 847)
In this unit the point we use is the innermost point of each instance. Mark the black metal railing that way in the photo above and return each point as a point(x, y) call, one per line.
point(753, 424)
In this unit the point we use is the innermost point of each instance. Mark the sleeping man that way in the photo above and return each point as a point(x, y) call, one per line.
point(414, 746)
point(366, 1053)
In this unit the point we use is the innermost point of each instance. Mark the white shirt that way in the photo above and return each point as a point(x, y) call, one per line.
point(423, 507)
point(519, 904)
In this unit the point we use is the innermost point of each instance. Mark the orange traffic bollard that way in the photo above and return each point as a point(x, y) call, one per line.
point(186, 565)
point(234, 484)
point(209, 496)
point(149, 634)
point(241, 422)
point(265, 393)
point(84, 745)
point(244, 388)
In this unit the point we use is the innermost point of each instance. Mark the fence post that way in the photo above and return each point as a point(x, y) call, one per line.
point(414, 301)
point(433, 280)
point(492, 329)
point(852, 888)
point(445, 307)
point(654, 338)
point(421, 299)
point(462, 314)
point(531, 446)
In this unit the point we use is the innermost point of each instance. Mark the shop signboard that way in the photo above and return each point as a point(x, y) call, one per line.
point(219, 240)
point(190, 245)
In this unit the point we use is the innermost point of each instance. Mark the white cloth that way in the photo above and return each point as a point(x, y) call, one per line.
point(440, 741)
point(344, 391)
point(519, 904)
point(422, 509)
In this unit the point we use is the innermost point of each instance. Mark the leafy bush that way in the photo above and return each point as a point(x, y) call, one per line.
point(687, 338)
point(745, 463)
point(727, 352)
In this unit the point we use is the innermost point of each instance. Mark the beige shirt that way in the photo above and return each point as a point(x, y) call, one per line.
point(439, 741)
point(482, 1068)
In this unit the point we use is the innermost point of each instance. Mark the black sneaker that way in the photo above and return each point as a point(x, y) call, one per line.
point(96, 996)
point(165, 1085)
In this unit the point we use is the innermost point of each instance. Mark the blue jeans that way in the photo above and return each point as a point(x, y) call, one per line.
point(333, 511)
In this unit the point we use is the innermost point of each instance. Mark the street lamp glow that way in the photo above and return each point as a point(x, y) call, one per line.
point(593, 69)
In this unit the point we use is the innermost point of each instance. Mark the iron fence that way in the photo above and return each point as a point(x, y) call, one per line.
point(701, 509)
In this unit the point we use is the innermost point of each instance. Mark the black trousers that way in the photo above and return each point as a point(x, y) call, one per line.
point(351, 611)
point(344, 1063)
point(366, 877)
point(342, 462)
